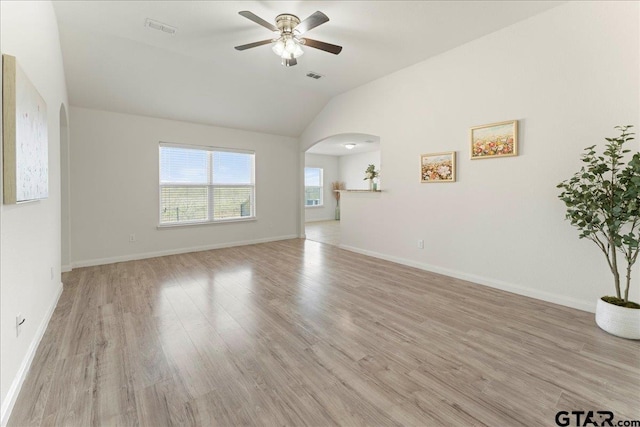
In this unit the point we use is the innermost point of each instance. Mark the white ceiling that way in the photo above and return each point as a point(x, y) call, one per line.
point(112, 62)
point(334, 145)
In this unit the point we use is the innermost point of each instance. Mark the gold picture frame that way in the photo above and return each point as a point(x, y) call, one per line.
point(438, 167)
point(494, 140)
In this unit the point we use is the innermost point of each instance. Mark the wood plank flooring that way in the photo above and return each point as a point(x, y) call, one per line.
point(303, 333)
point(323, 231)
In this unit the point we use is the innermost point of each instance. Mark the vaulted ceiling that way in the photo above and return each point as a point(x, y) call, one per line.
point(113, 62)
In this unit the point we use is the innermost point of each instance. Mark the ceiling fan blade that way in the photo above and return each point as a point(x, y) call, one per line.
point(311, 22)
point(327, 47)
point(254, 44)
point(255, 18)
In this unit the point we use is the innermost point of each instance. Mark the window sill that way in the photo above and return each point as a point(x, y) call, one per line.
point(195, 224)
point(314, 206)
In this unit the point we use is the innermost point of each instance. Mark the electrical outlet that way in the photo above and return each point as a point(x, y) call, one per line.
point(132, 238)
point(19, 322)
point(420, 244)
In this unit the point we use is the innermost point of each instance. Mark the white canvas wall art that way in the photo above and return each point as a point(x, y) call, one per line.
point(25, 139)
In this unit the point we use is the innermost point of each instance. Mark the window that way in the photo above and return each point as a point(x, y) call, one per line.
point(199, 185)
point(312, 186)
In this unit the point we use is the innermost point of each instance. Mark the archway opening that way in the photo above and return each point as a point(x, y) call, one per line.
point(332, 164)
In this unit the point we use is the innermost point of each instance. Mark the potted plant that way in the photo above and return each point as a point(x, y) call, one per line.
point(337, 186)
point(603, 203)
point(370, 174)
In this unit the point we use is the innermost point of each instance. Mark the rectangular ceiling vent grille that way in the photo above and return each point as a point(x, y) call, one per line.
point(315, 76)
point(157, 25)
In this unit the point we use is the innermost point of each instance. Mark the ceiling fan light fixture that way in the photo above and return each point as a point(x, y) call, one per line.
point(350, 146)
point(290, 46)
point(287, 48)
point(278, 47)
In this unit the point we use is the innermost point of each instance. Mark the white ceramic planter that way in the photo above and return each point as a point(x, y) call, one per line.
point(619, 321)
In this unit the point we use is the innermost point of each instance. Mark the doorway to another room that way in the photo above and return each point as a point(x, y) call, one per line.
point(332, 165)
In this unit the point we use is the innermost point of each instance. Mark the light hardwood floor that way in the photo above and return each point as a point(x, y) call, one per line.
point(323, 231)
point(303, 333)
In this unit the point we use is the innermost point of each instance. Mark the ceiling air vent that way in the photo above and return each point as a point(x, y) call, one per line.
point(157, 25)
point(315, 76)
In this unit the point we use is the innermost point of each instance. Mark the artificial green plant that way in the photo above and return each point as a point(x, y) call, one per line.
point(603, 203)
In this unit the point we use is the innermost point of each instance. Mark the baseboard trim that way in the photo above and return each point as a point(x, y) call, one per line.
point(146, 255)
point(65, 268)
point(484, 281)
point(16, 385)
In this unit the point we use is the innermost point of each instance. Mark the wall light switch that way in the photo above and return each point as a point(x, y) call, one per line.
point(420, 244)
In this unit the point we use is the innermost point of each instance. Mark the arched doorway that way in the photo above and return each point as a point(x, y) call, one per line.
point(337, 160)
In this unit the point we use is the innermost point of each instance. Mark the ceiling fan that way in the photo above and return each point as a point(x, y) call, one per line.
point(288, 42)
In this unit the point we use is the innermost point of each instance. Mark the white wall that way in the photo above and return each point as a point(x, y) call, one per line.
point(30, 243)
point(352, 169)
point(569, 75)
point(114, 187)
point(65, 255)
point(329, 165)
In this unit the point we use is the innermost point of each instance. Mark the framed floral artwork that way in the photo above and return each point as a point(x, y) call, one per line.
point(494, 140)
point(438, 167)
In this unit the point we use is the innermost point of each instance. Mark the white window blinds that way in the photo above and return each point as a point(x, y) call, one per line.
point(201, 184)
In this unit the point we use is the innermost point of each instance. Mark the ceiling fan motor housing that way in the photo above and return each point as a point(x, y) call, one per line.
point(286, 22)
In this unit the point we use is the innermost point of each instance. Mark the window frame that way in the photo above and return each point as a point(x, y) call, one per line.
point(210, 186)
point(321, 204)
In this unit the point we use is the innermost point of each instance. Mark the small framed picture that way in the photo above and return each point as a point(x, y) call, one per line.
point(494, 140)
point(438, 167)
